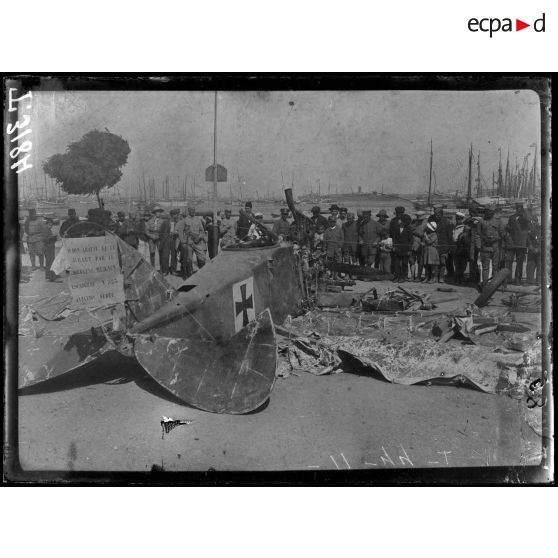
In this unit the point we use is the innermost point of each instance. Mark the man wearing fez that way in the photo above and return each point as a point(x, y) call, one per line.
point(282, 227)
point(70, 221)
point(243, 223)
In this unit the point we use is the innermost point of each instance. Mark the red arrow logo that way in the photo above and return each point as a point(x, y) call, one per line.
point(519, 25)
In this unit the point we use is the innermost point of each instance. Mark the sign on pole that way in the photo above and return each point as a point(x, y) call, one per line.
point(221, 174)
point(95, 276)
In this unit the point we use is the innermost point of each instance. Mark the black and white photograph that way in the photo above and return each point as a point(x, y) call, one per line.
point(304, 276)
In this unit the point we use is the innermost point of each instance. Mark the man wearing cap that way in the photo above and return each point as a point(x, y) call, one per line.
point(153, 226)
point(281, 227)
point(519, 230)
point(243, 223)
point(461, 238)
point(418, 226)
point(191, 232)
point(490, 236)
point(370, 235)
point(34, 231)
point(350, 239)
point(443, 231)
point(318, 219)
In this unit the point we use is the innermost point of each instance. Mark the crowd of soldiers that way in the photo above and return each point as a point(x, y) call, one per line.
point(419, 247)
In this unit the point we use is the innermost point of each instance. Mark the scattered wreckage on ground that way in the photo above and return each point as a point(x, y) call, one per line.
point(266, 309)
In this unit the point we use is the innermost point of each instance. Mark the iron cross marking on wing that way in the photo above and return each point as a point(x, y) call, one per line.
point(244, 305)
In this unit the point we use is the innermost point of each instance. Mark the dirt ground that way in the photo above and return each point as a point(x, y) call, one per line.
point(107, 417)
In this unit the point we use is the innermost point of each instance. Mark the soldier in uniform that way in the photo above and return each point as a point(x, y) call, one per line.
point(191, 231)
point(34, 230)
point(443, 231)
point(350, 239)
point(153, 226)
point(490, 236)
point(227, 229)
point(333, 241)
point(519, 230)
point(534, 250)
point(461, 237)
point(370, 235)
point(282, 227)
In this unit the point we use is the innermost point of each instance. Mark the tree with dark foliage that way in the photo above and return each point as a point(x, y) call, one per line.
point(90, 164)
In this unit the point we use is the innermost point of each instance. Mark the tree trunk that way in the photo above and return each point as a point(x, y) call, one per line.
point(99, 199)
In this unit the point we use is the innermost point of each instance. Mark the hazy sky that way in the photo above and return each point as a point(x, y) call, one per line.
point(344, 138)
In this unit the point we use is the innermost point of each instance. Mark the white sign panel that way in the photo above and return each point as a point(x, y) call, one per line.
point(244, 307)
point(95, 276)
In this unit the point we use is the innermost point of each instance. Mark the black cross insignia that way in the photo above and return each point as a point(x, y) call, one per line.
point(244, 305)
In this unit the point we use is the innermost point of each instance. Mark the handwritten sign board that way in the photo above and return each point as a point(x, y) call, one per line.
point(95, 276)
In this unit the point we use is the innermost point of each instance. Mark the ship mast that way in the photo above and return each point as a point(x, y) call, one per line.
point(469, 177)
point(430, 179)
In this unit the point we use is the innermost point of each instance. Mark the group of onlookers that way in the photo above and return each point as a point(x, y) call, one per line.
point(434, 247)
point(421, 248)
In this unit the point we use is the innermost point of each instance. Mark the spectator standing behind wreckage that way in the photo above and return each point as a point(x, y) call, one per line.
point(370, 235)
point(192, 235)
point(385, 248)
point(461, 237)
point(534, 250)
point(491, 233)
point(318, 219)
point(69, 222)
point(430, 251)
point(33, 228)
point(153, 226)
point(402, 242)
point(350, 239)
point(443, 231)
point(333, 241)
point(282, 227)
point(415, 258)
point(49, 242)
point(243, 223)
point(519, 229)
point(227, 230)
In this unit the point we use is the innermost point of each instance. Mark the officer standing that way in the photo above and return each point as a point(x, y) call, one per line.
point(490, 236)
point(192, 235)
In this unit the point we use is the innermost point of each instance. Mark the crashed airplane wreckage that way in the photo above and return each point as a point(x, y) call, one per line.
point(211, 342)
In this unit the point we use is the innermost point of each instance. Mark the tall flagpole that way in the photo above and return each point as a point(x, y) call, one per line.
point(215, 152)
point(430, 180)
